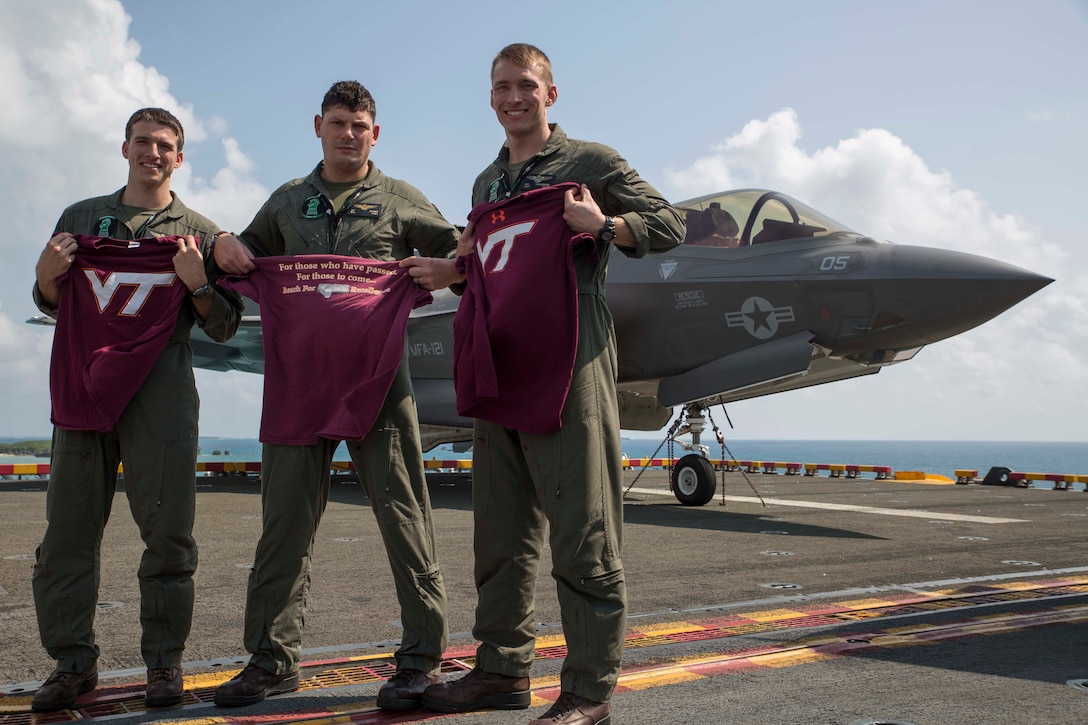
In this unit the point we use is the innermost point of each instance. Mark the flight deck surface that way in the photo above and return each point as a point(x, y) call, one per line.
point(834, 600)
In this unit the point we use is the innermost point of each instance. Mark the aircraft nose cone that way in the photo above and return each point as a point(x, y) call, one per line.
point(944, 293)
point(999, 280)
point(949, 263)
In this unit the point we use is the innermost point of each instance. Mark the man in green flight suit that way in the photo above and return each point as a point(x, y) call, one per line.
point(569, 481)
point(156, 436)
point(345, 206)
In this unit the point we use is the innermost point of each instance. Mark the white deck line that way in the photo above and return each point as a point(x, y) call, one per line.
point(910, 513)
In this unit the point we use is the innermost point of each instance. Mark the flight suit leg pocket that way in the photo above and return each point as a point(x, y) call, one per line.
point(397, 498)
point(481, 471)
point(76, 490)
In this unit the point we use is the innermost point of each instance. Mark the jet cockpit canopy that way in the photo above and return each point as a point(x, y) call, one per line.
point(753, 216)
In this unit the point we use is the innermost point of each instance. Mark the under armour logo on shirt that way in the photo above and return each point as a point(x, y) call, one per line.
point(502, 237)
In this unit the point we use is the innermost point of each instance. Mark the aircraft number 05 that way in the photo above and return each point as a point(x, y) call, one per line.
point(834, 264)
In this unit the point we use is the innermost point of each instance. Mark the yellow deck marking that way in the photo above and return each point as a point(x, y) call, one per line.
point(659, 630)
point(774, 615)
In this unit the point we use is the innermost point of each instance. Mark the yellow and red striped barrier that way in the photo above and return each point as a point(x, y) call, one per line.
point(1061, 481)
point(452, 464)
point(222, 468)
point(24, 469)
point(836, 470)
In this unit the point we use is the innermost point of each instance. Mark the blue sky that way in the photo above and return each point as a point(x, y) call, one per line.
point(956, 124)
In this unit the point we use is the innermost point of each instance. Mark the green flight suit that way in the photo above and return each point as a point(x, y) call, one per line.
point(569, 482)
point(156, 437)
point(386, 219)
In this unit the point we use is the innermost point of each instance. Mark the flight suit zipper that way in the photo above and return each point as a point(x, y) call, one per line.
point(336, 217)
point(505, 178)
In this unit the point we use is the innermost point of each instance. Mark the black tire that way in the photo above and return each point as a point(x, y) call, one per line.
point(693, 480)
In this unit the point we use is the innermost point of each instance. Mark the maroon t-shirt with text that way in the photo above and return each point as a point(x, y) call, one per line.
point(334, 330)
point(119, 304)
point(516, 329)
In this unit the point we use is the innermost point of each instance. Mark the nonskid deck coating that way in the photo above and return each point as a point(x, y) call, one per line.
point(118, 701)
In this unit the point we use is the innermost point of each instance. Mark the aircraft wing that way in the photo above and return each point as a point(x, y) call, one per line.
point(772, 360)
point(244, 352)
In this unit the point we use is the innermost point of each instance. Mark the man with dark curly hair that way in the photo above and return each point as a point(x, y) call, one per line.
point(346, 206)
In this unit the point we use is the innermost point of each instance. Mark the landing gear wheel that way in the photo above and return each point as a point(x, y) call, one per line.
point(693, 480)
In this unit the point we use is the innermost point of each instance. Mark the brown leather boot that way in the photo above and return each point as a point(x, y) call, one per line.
point(404, 689)
point(478, 690)
point(252, 685)
point(571, 709)
point(164, 687)
point(60, 690)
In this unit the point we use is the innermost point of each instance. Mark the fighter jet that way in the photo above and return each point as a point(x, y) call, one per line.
point(765, 295)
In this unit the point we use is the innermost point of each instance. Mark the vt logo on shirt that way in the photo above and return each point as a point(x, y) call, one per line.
point(505, 238)
point(143, 284)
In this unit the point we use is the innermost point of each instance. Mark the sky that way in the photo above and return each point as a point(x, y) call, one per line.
point(957, 124)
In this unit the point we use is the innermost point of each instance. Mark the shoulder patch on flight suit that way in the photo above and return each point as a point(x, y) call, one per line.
point(105, 226)
point(314, 207)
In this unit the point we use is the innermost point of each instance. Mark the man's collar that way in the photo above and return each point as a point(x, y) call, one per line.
point(556, 138)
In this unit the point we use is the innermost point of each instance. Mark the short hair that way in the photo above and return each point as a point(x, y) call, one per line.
point(526, 56)
point(351, 95)
point(156, 115)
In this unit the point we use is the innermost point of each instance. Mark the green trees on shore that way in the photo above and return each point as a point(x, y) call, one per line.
point(26, 448)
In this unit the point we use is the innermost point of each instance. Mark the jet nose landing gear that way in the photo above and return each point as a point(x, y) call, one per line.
point(693, 481)
point(692, 478)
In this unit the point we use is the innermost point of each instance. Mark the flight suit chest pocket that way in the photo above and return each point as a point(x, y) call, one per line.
point(309, 223)
point(380, 237)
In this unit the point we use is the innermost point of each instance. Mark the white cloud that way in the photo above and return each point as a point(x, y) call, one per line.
point(232, 196)
point(1045, 116)
point(230, 403)
point(1013, 378)
point(66, 101)
point(1016, 377)
point(872, 182)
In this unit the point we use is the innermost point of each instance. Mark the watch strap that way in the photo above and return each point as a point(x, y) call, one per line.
point(203, 291)
point(608, 231)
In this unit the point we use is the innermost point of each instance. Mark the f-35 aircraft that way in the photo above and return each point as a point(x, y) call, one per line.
point(765, 295)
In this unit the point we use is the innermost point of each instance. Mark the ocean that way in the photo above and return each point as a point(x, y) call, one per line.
point(937, 457)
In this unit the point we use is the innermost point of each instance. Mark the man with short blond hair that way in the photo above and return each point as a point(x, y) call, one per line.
point(564, 484)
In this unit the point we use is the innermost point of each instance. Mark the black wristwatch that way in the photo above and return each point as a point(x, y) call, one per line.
point(608, 231)
point(215, 238)
point(204, 291)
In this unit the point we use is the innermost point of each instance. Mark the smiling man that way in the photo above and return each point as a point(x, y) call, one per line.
point(144, 408)
point(563, 485)
point(345, 207)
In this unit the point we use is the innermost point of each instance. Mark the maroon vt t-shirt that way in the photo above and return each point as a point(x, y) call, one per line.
point(118, 306)
point(516, 329)
point(334, 330)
